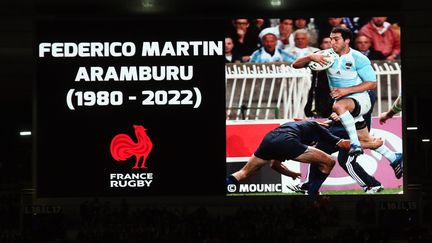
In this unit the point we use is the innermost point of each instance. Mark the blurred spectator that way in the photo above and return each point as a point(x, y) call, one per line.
point(283, 32)
point(245, 38)
point(396, 28)
point(301, 44)
point(353, 23)
point(395, 25)
point(230, 56)
point(269, 52)
point(364, 45)
point(304, 23)
point(325, 43)
point(335, 21)
point(261, 24)
point(300, 23)
point(325, 25)
point(384, 39)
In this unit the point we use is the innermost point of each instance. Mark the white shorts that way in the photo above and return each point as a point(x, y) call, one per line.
point(363, 100)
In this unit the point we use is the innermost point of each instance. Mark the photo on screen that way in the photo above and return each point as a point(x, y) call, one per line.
point(295, 87)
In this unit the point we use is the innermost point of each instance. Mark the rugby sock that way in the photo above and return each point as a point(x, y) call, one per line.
point(386, 152)
point(231, 180)
point(349, 124)
point(316, 182)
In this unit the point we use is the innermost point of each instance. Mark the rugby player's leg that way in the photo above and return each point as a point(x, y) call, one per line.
point(395, 159)
point(356, 171)
point(377, 144)
point(325, 164)
point(343, 108)
point(368, 141)
point(253, 165)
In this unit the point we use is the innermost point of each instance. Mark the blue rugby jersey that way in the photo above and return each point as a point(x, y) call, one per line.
point(308, 131)
point(349, 70)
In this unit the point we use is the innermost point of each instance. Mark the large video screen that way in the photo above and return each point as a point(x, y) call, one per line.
point(147, 106)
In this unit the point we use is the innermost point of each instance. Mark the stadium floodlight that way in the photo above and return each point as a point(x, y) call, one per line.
point(426, 140)
point(147, 3)
point(276, 3)
point(25, 133)
point(412, 128)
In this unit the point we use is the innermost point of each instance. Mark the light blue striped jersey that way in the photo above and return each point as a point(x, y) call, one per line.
point(349, 70)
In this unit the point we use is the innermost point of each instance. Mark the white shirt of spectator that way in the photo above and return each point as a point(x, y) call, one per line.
point(266, 57)
point(229, 57)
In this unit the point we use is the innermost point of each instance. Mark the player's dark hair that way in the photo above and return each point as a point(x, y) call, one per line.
point(345, 32)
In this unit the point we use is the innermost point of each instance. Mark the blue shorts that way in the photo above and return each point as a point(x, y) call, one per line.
point(281, 144)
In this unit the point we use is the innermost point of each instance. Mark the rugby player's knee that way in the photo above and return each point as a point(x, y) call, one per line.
point(339, 108)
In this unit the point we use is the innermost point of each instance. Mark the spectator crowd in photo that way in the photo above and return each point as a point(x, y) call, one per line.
point(285, 39)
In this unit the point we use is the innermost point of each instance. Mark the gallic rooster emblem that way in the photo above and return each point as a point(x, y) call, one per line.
point(123, 147)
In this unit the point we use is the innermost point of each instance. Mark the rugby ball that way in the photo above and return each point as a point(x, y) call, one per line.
point(330, 56)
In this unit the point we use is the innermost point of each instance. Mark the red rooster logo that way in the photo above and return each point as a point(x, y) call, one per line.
point(123, 147)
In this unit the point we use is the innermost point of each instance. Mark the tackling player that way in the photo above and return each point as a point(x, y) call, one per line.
point(293, 140)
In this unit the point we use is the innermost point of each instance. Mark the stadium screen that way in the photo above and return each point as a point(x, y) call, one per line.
point(161, 107)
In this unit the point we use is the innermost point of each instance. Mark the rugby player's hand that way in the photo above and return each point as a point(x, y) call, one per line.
point(295, 175)
point(334, 117)
point(383, 117)
point(338, 93)
point(344, 144)
point(319, 58)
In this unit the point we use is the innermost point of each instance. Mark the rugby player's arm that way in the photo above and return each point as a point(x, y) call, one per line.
point(396, 106)
point(279, 167)
point(302, 61)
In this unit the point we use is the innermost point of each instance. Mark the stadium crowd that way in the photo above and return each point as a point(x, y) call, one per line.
point(297, 220)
